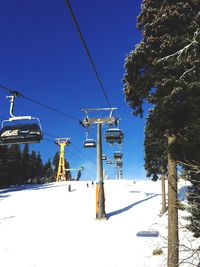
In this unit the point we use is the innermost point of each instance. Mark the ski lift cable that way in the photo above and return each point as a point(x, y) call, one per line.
point(87, 52)
point(39, 103)
point(89, 161)
point(82, 153)
point(51, 135)
point(51, 141)
point(46, 133)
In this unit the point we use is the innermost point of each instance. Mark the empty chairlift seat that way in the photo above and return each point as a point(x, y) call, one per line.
point(89, 143)
point(118, 155)
point(20, 134)
point(114, 135)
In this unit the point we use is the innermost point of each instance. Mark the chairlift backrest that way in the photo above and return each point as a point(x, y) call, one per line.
point(114, 135)
point(89, 143)
point(20, 134)
point(118, 155)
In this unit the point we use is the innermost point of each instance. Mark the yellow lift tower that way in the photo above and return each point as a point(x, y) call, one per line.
point(62, 142)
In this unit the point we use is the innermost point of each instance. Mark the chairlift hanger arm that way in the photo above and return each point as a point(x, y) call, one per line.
point(12, 102)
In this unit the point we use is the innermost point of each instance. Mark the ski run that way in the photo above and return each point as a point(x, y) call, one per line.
point(45, 225)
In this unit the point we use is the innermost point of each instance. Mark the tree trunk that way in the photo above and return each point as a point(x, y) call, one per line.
point(173, 239)
point(164, 207)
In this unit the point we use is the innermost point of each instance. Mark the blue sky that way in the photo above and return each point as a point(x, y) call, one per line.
point(43, 58)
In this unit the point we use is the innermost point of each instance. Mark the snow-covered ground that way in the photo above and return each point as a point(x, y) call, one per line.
point(45, 225)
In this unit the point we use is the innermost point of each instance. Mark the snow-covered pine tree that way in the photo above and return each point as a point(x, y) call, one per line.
point(156, 71)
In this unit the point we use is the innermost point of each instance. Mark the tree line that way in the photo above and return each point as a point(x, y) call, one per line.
point(21, 166)
point(163, 71)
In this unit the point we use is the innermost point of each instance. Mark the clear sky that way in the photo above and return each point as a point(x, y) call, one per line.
point(42, 57)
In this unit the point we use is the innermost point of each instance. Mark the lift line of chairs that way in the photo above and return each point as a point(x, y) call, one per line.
point(112, 135)
point(32, 132)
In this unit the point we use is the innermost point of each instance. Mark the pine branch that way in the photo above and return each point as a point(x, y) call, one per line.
point(184, 49)
point(186, 72)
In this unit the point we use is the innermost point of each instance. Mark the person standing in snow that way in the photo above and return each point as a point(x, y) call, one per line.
point(69, 188)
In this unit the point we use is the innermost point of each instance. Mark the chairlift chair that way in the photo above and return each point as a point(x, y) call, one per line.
point(89, 143)
point(19, 133)
point(118, 155)
point(104, 157)
point(119, 163)
point(114, 135)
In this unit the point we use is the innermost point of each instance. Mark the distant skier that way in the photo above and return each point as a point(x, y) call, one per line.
point(69, 188)
point(87, 185)
point(92, 184)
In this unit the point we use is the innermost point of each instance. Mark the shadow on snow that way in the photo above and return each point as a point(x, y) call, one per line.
point(117, 212)
point(6, 218)
point(28, 187)
point(3, 196)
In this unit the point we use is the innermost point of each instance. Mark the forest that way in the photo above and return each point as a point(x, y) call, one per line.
point(19, 165)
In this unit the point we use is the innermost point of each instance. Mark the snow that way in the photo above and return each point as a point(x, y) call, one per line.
point(45, 225)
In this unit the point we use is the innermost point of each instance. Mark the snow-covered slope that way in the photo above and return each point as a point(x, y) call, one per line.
point(45, 225)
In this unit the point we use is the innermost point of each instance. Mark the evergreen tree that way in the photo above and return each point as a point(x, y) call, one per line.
point(32, 166)
point(194, 207)
point(3, 166)
point(25, 164)
point(163, 70)
point(68, 173)
point(56, 161)
point(48, 170)
point(155, 147)
point(156, 153)
point(39, 166)
point(13, 165)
